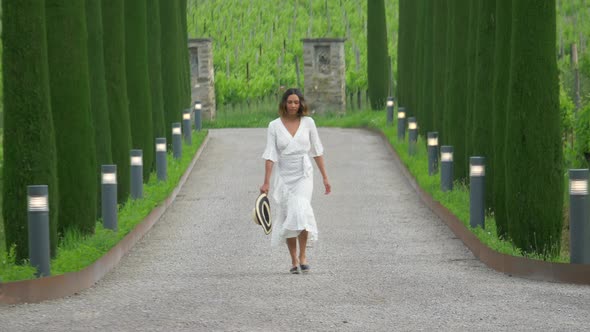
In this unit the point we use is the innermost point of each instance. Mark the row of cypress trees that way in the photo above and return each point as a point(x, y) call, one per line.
point(83, 85)
point(377, 58)
point(483, 73)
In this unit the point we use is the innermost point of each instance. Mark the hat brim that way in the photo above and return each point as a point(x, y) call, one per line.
point(262, 213)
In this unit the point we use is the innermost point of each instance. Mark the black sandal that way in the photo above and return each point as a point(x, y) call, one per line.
point(305, 268)
point(294, 270)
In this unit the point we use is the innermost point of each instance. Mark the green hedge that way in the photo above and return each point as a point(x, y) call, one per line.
point(534, 169)
point(501, 76)
point(377, 59)
point(98, 90)
point(29, 156)
point(67, 53)
point(482, 111)
point(154, 33)
point(138, 85)
point(115, 74)
point(169, 20)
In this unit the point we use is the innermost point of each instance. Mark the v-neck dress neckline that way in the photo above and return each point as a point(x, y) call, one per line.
point(287, 129)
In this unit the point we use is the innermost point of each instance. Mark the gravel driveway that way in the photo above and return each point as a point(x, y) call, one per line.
point(383, 262)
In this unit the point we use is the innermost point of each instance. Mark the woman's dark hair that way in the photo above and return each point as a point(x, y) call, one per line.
point(302, 104)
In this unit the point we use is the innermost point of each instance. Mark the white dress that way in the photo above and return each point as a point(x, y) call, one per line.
point(291, 183)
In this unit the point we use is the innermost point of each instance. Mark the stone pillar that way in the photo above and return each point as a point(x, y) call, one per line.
point(202, 75)
point(324, 74)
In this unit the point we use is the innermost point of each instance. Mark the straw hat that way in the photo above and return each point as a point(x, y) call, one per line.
point(261, 213)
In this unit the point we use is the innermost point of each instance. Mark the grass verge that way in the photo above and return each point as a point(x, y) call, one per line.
point(75, 251)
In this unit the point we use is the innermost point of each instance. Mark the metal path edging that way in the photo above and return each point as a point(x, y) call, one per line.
point(508, 264)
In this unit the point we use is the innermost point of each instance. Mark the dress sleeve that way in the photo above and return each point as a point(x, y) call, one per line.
point(316, 145)
point(270, 153)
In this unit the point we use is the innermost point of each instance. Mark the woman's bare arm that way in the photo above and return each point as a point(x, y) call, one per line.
point(267, 173)
point(319, 160)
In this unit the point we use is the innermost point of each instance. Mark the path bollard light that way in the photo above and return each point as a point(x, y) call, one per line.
point(109, 196)
point(176, 140)
point(136, 174)
point(197, 108)
point(412, 135)
point(446, 168)
point(389, 111)
point(432, 153)
point(579, 217)
point(161, 164)
point(477, 174)
point(401, 123)
point(186, 126)
point(38, 222)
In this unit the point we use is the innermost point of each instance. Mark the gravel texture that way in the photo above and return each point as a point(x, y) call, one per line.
point(383, 261)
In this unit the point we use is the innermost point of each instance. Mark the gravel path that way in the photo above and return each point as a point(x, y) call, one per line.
point(383, 262)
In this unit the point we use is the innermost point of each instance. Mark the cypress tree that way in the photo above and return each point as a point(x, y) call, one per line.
point(457, 93)
point(501, 78)
point(419, 62)
point(447, 121)
point(534, 177)
point(98, 90)
point(155, 68)
point(184, 56)
point(28, 137)
point(411, 29)
point(377, 58)
point(439, 39)
point(67, 53)
point(471, 62)
point(138, 85)
point(170, 65)
point(114, 62)
point(427, 85)
point(481, 130)
point(403, 48)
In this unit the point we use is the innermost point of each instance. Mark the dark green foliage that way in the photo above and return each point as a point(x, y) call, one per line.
point(138, 85)
point(154, 34)
point(405, 51)
point(425, 121)
point(456, 101)
point(184, 57)
point(482, 110)
point(402, 43)
point(377, 58)
point(447, 124)
point(501, 78)
point(439, 35)
point(98, 90)
point(67, 53)
point(171, 66)
point(28, 137)
point(115, 74)
point(471, 43)
point(418, 62)
point(534, 175)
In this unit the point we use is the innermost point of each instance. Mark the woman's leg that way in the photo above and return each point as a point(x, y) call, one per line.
point(292, 245)
point(302, 246)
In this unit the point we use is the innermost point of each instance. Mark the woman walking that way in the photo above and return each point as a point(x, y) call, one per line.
point(291, 140)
